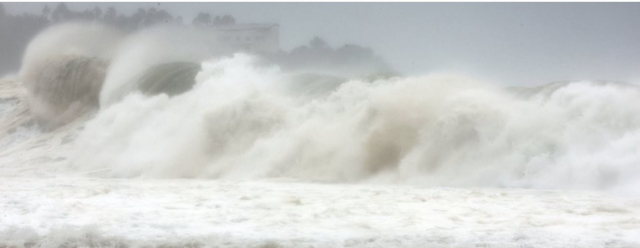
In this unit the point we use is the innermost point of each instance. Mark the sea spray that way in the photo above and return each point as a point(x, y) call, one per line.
point(64, 67)
point(240, 121)
point(151, 47)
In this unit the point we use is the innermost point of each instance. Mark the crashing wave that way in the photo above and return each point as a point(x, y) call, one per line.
point(242, 121)
point(233, 117)
point(172, 78)
point(65, 87)
point(63, 69)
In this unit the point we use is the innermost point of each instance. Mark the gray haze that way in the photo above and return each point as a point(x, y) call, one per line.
point(509, 43)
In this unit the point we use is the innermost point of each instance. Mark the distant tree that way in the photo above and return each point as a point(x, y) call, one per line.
point(154, 16)
point(17, 30)
point(354, 52)
point(61, 13)
point(110, 16)
point(150, 18)
point(2, 11)
point(123, 22)
point(97, 13)
point(136, 20)
point(84, 15)
point(202, 19)
point(227, 20)
point(301, 50)
point(318, 43)
point(217, 21)
point(165, 16)
point(152, 11)
point(46, 11)
point(319, 54)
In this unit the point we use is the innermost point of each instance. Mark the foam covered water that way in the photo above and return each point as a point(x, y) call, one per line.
point(267, 133)
point(245, 121)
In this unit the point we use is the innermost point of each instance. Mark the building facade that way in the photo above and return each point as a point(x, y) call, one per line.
point(253, 38)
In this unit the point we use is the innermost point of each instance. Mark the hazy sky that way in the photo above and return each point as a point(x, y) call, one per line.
point(510, 43)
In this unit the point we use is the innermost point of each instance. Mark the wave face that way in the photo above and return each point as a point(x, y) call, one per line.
point(141, 52)
point(64, 67)
point(172, 104)
point(65, 86)
point(245, 121)
point(171, 78)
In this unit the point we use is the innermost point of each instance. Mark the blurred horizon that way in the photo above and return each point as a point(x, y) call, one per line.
point(507, 43)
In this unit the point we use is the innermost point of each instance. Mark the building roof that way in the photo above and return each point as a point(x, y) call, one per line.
point(246, 26)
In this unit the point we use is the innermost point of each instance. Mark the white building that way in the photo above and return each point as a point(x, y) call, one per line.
point(258, 38)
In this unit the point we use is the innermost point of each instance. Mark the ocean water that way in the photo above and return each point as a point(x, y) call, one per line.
point(249, 154)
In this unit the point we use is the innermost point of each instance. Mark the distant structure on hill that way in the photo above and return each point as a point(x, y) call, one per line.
point(255, 38)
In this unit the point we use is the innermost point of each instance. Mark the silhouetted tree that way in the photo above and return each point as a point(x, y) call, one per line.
point(354, 53)
point(2, 11)
point(87, 15)
point(17, 30)
point(46, 11)
point(137, 18)
point(318, 43)
point(154, 17)
point(320, 55)
point(202, 19)
point(165, 16)
point(61, 13)
point(97, 13)
point(110, 16)
point(227, 20)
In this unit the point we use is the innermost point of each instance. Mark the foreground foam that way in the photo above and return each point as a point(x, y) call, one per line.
point(80, 212)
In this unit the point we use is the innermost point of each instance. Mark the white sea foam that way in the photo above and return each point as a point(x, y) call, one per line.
point(64, 67)
point(153, 46)
point(274, 131)
point(243, 121)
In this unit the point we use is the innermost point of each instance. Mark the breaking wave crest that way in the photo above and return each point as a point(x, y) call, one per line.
point(63, 69)
point(245, 121)
point(151, 48)
point(171, 105)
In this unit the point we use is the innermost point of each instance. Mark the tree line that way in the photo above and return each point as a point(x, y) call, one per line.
point(16, 31)
point(348, 59)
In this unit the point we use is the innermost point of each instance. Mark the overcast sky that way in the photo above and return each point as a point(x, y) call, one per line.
point(509, 43)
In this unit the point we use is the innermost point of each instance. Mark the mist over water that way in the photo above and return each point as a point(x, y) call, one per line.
point(64, 68)
point(154, 46)
point(245, 119)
